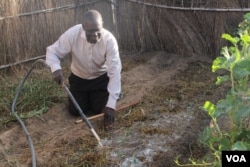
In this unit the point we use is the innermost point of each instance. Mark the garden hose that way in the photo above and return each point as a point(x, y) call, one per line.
point(13, 106)
point(82, 114)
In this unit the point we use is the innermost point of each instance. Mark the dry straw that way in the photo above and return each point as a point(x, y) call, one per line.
point(33, 25)
point(150, 25)
point(143, 25)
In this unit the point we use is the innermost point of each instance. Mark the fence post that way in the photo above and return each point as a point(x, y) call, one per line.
point(114, 17)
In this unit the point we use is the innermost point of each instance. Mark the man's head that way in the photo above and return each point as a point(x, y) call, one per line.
point(92, 24)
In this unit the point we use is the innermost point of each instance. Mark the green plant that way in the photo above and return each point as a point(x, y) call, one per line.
point(236, 106)
point(38, 94)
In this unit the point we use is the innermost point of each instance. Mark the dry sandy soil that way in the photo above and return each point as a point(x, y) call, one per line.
point(153, 133)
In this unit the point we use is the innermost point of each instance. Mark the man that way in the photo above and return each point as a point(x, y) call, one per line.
point(95, 81)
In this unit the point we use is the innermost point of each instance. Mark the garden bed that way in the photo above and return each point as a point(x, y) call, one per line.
point(166, 124)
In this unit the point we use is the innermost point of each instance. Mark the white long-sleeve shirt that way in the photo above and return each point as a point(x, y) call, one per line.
point(89, 61)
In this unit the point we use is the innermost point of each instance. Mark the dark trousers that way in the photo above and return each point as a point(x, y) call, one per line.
point(91, 95)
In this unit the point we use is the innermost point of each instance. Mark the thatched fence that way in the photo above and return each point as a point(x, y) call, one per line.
point(178, 26)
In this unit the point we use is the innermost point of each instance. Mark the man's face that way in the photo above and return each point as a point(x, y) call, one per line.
point(93, 32)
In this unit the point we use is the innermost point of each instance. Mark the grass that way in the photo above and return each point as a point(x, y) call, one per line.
point(76, 152)
point(38, 94)
point(134, 114)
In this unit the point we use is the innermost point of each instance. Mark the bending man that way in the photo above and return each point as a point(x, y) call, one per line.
point(95, 81)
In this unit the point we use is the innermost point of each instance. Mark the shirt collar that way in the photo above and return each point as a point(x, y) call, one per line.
point(83, 34)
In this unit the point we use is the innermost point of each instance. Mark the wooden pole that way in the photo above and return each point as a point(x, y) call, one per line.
point(192, 8)
point(21, 62)
point(50, 10)
point(118, 109)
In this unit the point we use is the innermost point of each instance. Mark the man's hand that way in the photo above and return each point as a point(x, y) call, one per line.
point(58, 77)
point(109, 118)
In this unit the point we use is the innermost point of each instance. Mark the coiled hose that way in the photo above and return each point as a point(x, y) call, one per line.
point(13, 106)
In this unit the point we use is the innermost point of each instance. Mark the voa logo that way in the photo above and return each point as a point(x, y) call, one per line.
point(236, 158)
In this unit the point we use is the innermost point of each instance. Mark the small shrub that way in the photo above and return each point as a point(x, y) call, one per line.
point(236, 106)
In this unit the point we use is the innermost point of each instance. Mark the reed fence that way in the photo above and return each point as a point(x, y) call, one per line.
point(179, 26)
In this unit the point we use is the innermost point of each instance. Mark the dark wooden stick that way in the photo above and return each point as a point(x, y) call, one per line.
point(118, 109)
point(21, 62)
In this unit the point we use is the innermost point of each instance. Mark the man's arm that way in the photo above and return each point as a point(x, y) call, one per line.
point(114, 86)
point(57, 51)
point(114, 72)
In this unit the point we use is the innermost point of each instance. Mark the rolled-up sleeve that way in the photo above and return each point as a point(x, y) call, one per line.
point(57, 51)
point(114, 72)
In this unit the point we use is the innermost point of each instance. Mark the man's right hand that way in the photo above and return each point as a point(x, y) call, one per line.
point(109, 118)
point(58, 77)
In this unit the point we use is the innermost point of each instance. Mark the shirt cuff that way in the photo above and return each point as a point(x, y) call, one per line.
point(55, 67)
point(111, 103)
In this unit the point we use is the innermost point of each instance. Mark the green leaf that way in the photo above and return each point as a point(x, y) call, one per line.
point(230, 38)
point(225, 144)
point(245, 38)
point(221, 79)
point(243, 112)
point(242, 85)
point(230, 56)
point(206, 135)
point(247, 17)
point(240, 146)
point(244, 135)
point(218, 63)
point(235, 54)
point(225, 106)
point(247, 53)
point(225, 52)
point(242, 68)
point(240, 113)
point(209, 107)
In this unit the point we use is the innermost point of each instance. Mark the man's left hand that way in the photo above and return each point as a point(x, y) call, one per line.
point(109, 118)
